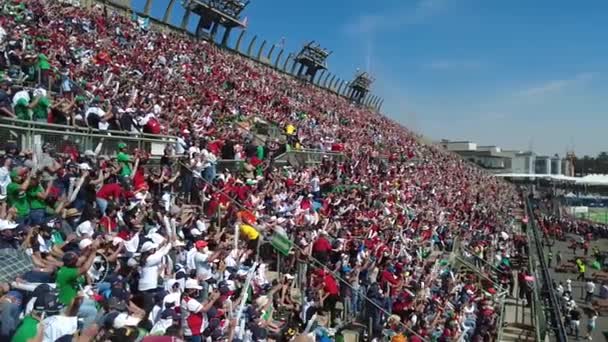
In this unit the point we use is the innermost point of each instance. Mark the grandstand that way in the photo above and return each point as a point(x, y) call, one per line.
point(274, 195)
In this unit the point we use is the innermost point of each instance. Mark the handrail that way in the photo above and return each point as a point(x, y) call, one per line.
point(82, 134)
point(85, 130)
point(554, 307)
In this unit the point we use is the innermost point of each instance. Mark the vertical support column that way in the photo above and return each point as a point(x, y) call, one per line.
point(147, 8)
point(292, 70)
point(261, 50)
point(334, 84)
point(276, 63)
point(318, 80)
point(226, 36)
point(330, 82)
point(199, 28)
point(287, 61)
point(239, 40)
point(339, 91)
point(167, 16)
point(269, 56)
point(373, 100)
point(214, 27)
point(380, 105)
point(185, 19)
point(322, 84)
point(300, 70)
point(251, 45)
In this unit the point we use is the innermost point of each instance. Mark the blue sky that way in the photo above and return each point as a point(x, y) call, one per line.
point(517, 73)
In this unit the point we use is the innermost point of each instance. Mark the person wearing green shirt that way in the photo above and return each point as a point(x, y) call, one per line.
point(22, 109)
point(260, 152)
point(31, 328)
point(124, 160)
point(43, 62)
point(41, 109)
point(70, 277)
point(16, 194)
point(36, 196)
point(28, 329)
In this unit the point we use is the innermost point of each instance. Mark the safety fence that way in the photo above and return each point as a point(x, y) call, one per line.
point(546, 309)
point(31, 135)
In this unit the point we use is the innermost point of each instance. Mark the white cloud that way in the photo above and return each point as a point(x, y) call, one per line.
point(452, 65)
point(395, 18)
point(555, 86)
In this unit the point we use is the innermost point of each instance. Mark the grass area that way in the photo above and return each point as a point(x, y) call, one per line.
point(599, 215)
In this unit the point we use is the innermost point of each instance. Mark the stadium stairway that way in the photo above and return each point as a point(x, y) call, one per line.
point(518, 320)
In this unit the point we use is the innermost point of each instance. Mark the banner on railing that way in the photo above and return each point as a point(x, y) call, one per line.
point(281, 243)
point(144, 23)
point(75, 3)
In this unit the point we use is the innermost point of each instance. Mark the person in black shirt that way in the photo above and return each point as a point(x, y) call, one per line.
point(7, 235)
point(575, 321)
point(6, 108)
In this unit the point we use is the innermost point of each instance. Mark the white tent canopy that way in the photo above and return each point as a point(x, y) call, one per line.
point(586, 180)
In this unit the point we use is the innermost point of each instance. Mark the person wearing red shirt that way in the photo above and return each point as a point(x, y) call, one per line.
point(388, 277)
point(107, 193)
point(331, 292)
point(321, 248)
point(108, 222)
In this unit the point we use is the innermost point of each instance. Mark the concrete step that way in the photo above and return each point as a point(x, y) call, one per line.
point(516, 334)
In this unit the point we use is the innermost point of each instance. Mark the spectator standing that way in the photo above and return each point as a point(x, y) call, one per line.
point(590, 291)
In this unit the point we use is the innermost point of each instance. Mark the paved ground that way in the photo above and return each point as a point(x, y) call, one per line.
point(577, 286)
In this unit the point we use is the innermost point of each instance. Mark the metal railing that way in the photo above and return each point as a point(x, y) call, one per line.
point(545, 303)
point(303, 157)
point(29, 134)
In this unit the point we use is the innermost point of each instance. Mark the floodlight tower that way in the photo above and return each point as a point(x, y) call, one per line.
point(216, 13)
point(313, 58)
point(360, 86)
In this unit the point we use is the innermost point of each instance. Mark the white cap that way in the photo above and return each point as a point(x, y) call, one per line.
point(85, 229)
point(262, 301)
point(84, 243)
point(147, 246)
point(84, 166)
point(289, 276)
point(195, 232)
point(7, 225)
point(125, 320)
point(193, 284)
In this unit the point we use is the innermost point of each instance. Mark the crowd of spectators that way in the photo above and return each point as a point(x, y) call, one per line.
point(117, 248)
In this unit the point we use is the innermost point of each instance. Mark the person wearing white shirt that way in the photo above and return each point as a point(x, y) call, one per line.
point(98, 116)
point(209, 166)
point(193, 311)
point(150, 261)
point(315, 185)
point(590, 289)
point(58, 326)
point(5, 178)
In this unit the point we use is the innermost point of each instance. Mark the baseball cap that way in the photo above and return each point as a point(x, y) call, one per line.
point(118, 304)
point(125, 320)
point(48, 302)
point(122, 145)
point(7, 225)
point(148, 246)
point(201, 244)
point(84, 243)
point(193, 284)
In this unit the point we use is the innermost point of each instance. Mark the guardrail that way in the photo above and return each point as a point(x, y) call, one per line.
point(545, 303)
point(305, 157)
point(29, 134)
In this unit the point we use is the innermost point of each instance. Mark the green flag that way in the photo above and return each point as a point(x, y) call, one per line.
point(281, 243)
